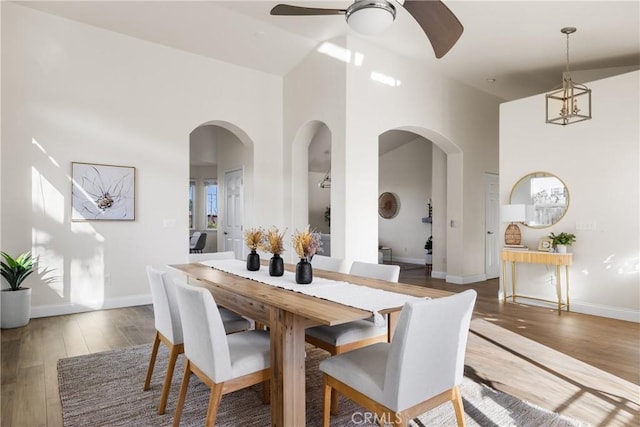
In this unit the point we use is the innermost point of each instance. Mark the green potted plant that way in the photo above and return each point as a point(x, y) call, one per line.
point(562, 240)
point(428, 246)
point(16, 300)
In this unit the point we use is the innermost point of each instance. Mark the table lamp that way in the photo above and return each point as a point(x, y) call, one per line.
point(513, 214)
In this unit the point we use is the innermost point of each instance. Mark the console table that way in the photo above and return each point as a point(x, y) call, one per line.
point(384, 249)
point(536, 257)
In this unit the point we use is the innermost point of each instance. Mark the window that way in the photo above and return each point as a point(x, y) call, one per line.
point(211, 194)
point(192, 192)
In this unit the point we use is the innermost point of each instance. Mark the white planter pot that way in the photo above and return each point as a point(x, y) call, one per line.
point(429, 259)
point(15, 308)
point(561, 249)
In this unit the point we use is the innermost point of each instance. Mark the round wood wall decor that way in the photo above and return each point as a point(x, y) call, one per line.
point(388, 205)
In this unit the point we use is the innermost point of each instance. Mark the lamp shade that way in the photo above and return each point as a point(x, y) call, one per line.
point(513, 213)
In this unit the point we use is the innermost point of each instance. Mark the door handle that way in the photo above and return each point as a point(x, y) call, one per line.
point(488, 232)
point(225, 233)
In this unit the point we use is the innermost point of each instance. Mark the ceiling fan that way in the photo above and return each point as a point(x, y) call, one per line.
point(440, 25)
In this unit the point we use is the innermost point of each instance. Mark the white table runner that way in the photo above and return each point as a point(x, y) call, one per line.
point(350, 294)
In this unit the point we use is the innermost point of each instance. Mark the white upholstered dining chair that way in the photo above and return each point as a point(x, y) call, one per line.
point(420, 369)
point(169, 327)
point(327, 263)
point(360, 333)
point(390, 273)
point(215, 256)
point(193, 239)
point(225, 363)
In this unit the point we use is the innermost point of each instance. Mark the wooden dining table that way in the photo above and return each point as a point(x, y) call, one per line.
point(288, 314)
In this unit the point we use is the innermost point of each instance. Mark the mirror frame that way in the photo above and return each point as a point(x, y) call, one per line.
point(542, 174)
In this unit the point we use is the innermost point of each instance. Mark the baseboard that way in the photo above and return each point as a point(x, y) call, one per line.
point(419, 261)
point(606, 311)
point(60, 309)
point(588, 308)
point(464, 280)
point(438, 274)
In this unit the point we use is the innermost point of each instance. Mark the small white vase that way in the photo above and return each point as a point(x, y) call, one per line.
point(561, 249)
point(16, 308)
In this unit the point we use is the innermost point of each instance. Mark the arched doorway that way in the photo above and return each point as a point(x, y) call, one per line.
point(417, 164)
point(310, 162)
point(216, 149)
point(320, 186)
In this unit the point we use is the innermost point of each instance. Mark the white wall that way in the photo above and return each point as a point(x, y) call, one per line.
point(406, 172)
point(319, 164)
point(319, 200)
point(460, 120)
point(72, 92)
point(203, 145)
point(314, 95)
point(599, 161)
point(439, 220)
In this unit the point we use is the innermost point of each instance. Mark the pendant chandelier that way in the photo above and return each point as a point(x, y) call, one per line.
point(562, 103)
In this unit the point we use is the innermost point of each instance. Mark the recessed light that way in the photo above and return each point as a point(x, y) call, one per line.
point(491, 80)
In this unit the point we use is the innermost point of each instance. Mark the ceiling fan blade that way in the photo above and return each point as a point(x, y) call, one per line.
point(438, 22)
point(288, 10)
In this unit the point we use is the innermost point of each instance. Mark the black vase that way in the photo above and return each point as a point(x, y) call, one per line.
point(304, 272)
point(253, 261)
point(276, 265)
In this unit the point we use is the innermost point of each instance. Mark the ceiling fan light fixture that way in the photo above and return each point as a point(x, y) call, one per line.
point(370, 17)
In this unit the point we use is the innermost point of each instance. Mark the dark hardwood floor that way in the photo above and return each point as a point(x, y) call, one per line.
point(581, 366)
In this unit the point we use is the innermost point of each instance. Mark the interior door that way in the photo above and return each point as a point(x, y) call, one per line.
point(233, 212)
point(492, 222)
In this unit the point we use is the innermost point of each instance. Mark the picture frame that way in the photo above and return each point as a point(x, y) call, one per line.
point(102, 192)
point(545, 244)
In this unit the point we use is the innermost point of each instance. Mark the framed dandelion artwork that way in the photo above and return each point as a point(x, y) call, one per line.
point(102, 192)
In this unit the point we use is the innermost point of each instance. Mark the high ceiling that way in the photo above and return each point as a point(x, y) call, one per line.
point(517, 43)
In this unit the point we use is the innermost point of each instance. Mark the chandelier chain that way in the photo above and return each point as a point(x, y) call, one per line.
point(568, 73)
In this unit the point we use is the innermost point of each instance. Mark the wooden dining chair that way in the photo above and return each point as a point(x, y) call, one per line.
point(169, 328)
point(349, 336)
point(225, 363)
point(419, 370)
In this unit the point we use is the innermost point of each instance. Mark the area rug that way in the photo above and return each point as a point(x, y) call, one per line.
point(105, 389)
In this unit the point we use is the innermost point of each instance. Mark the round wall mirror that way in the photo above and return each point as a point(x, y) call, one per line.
point(545, 196)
